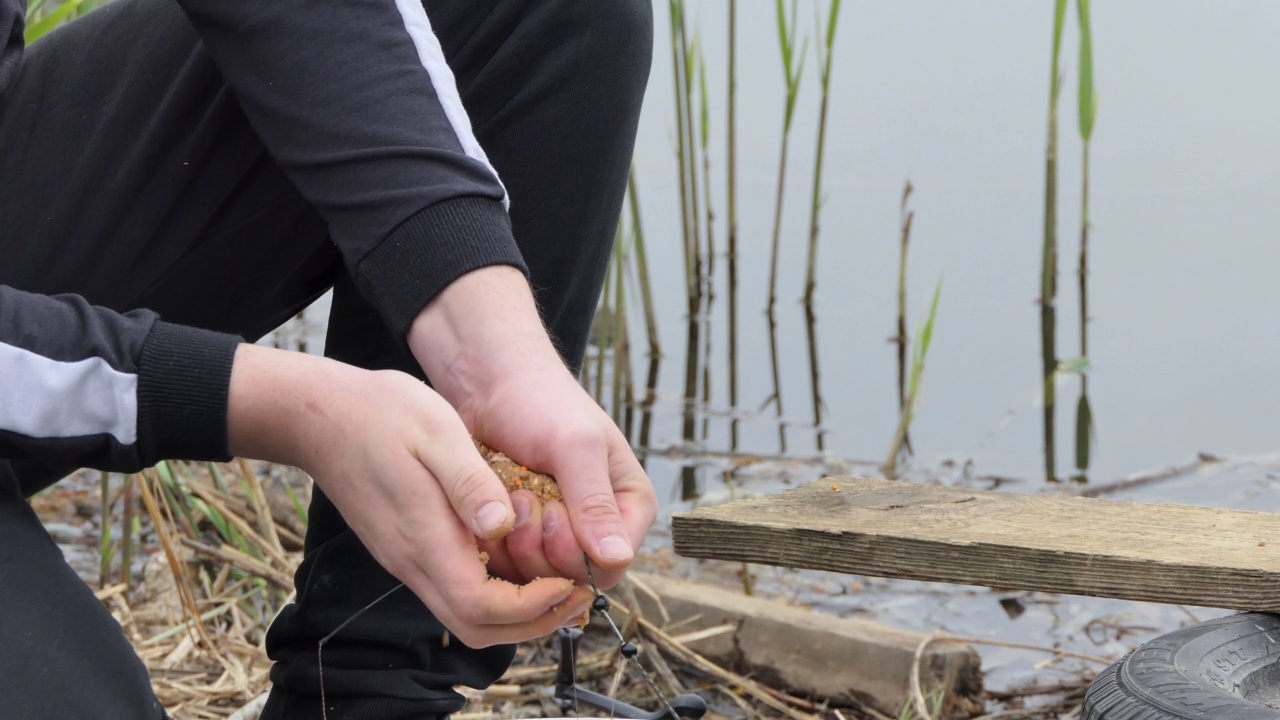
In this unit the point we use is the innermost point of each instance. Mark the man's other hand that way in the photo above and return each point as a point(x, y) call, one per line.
point(397, 461)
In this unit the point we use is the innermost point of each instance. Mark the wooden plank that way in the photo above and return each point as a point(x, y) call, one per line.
point(813, 654)
point(1074, 545)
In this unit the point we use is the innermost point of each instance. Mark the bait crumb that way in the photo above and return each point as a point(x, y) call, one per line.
point(518, 477)
point(1262, 543)
point(835, 488)
point(444, 639)
point(484, 558)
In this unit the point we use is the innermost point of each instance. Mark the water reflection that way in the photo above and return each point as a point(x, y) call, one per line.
point(905, 216)
point(815, 383)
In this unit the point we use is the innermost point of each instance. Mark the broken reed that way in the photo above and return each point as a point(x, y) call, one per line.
point(1049, 252)
point(1088, 112)
point(924, 337)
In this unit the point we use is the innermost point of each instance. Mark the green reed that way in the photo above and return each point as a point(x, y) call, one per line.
point(792, 66)
point(105, 548)
point(684, 60)
point(823, 51)
point(1049, 254)
point(1088, 111)
point(623, 389)
point(41, 18)
point(685, 154)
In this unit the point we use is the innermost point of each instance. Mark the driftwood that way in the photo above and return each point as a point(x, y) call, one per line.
point(848, 661)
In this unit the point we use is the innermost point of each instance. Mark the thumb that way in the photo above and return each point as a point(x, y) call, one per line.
point(593, 509)
point(474, 491)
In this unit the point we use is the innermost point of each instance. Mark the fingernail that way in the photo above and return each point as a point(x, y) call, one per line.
point(492, 518)
point(615, 548)
point(521, 505)
point(550, 518)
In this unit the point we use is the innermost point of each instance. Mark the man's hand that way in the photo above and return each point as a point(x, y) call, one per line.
point(399, 464)
point(482, 343)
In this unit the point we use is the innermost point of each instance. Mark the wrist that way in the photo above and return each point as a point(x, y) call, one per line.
point(484, 329)
point(278, 404)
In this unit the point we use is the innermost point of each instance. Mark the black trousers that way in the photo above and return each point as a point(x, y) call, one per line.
point(554, 89)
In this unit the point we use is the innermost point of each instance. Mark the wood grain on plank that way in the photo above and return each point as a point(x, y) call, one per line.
point(1081, 546)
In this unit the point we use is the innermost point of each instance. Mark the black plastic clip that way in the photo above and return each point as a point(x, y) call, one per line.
point(569, 694)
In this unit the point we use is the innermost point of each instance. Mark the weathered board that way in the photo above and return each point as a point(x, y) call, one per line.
point(843, 659)
point(1074, 545)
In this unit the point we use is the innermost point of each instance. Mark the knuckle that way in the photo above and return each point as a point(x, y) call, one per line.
point(470, 486)
point(581, 436)
point(597, 507)
point(475, 606)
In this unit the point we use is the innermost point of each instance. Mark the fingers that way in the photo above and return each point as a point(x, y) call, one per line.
point(450, 578)
point(520, 557)
point(637, 500)
point(518, 612)
point(585, 482)
point(474, 491)
point(525, 543)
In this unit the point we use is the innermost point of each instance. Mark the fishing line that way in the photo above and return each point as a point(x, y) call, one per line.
point(324, 711)
point(628, 650)
point(600, 606)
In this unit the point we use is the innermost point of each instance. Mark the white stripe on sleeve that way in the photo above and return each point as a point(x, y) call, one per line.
point(42, 398)
point(418, 26)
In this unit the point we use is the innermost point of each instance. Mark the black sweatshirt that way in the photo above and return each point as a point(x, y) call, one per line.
point(355, 102)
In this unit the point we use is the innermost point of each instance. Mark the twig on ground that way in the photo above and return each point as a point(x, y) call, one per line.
point(917, 694)
point(748, 686)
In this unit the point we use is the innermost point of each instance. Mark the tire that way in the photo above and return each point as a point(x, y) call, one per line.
point(1225, 669)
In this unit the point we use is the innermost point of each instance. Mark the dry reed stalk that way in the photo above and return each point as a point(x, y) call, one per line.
point(181, 578)
point(1024, 646)
point(258, 499)
point(229, 554)
point(748, 686)
point(240, 507)
point(271, 550)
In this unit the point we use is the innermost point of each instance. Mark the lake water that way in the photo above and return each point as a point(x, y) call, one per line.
point(953, 97)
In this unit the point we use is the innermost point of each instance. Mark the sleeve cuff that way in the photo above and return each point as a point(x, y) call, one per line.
point(184, 375)
point(432, 249)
